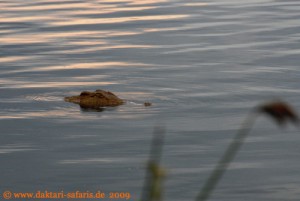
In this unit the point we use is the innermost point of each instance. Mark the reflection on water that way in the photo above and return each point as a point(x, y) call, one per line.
point(117, 20)
point(202, 65)
point(22, 84)
point(10, 148)
point(88, 65)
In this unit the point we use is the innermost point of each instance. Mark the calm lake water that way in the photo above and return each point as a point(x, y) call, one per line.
point(203, 65)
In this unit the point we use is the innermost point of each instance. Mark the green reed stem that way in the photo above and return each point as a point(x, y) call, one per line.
point(154, 159)
point(229, 155)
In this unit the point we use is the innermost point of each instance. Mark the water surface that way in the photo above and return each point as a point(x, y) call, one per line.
point(203, 65)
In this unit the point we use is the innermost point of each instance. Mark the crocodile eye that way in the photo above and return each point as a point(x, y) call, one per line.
point(85, 93)
point(99, 95)
point(99, 91)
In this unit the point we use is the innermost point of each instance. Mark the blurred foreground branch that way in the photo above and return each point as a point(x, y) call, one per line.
point(152, 190)
point(278, 111)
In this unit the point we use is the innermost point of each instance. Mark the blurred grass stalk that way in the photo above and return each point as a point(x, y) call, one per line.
point(229, 155)
point(278, 110)
point(152, 190)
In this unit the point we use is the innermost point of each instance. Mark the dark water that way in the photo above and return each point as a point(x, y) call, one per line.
point(203, 65)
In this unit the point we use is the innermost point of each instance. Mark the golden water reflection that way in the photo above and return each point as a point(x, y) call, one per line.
point(32, 7)
point(12, 59)
point(72, 66)
point(85, 21)
point(110, 9)
point(13, 83)
point(93, 48)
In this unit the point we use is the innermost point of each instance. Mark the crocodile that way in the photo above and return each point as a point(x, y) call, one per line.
point(95, 100)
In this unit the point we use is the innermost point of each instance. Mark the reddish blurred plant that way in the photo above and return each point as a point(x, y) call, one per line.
point(280, 111)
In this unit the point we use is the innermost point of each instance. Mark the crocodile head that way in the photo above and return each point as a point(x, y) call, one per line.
point(96, 99)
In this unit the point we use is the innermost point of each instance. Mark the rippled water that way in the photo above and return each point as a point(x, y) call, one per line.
point(203, 65)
